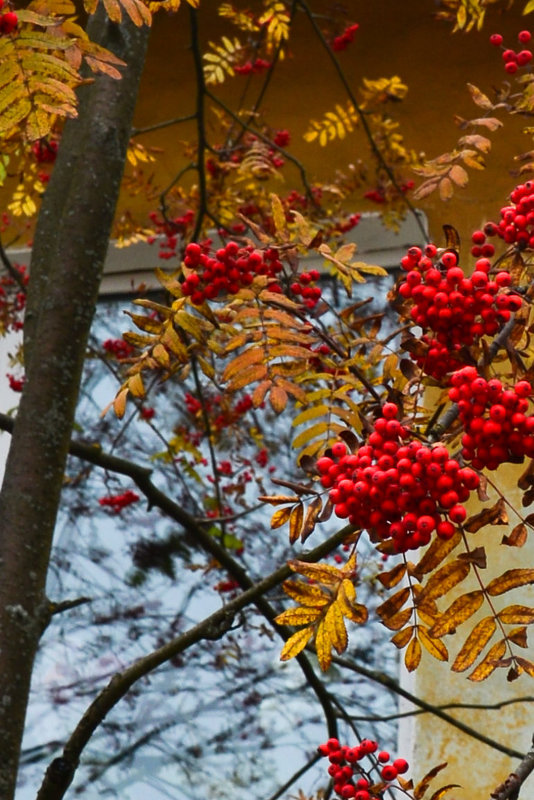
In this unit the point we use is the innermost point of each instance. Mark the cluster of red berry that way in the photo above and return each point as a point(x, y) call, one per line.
point(379, 195)
point(516, 225)
point(45, 150)
point(513, 60)
point(117, 502)
point(255, 67)
point(118, 348)
point(16, 384)
point(457, 309)
point(12, 300)
point(349, 778)
point(8, 21)
point(171, 231)
point(282, 138)
point(233, 267)
point(397, 489)
point(342, 41)
point(497, 428)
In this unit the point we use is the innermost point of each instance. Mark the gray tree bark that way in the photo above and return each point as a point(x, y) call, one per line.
point(70, 246)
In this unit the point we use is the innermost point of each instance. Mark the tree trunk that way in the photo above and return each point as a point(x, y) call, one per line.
point(69, 250)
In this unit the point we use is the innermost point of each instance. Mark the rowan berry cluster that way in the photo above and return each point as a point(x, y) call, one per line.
point(397, 489)
point(117, 502)
point(516, 225)
point(8, 21)
point(349, 778)
point(497, 427)
point(45, 150)
point(118, 348)
point(457, 309)
point(171, 231)
point(512, 59)
point(255, 67)
point(13, 299)
point(233, 267)
point(342, 41)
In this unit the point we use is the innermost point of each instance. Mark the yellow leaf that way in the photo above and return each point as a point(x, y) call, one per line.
point(323, 573)
point(279, 217)
point(280, 517)
point(446, 578)
point(528, 666)
point(335, 625)
point(306, 594)
point(479, 97)
point(474, 644)
point(296, 519)
point(489, 663)
point(529, 8)
point(356, 612)
point(323, 646)
point(298, 616)
point(436, 553)
point(135, 385)
point(310, 433)
point(460, 610)
point(435, 647)
point(412, 657)
point(517, 615)
point(296, 643)
point(510, 579)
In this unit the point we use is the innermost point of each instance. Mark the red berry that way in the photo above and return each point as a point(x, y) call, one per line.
point(389, 773)
point(524, 37)
point(401, 765)
point(496, 39)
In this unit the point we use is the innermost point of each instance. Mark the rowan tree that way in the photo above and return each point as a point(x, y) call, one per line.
point(403, 414)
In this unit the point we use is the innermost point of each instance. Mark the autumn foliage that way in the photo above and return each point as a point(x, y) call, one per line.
point(399, 420)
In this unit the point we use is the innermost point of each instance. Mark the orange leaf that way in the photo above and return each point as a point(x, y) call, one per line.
point(314, 509)
point(397, 621)
point(490, 663)
point(444, 789)
point(474, 644)
point(496, 515)
point(393, 604)
point(401, 638)
point(460, 610)
point(248, 376)
point(510, 579)
point(528, 666)
point(392, 578)
point(518, 536)
point(278, 399)
point(425, 782)
point(412, 656)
